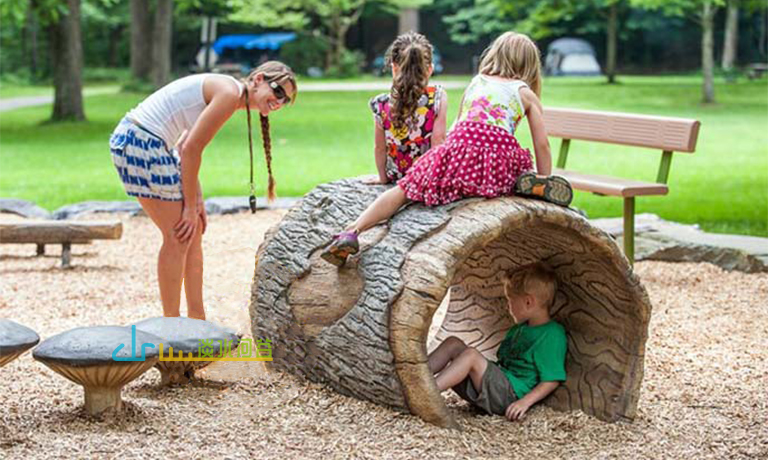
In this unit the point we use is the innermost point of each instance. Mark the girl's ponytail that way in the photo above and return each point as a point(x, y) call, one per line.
point(412, 53)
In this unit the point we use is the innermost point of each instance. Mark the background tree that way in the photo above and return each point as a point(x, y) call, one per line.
point(482, 20)
point(703, 12)
point(141, 43)
point(161, 43)
point(67, 57)
point(327, 20)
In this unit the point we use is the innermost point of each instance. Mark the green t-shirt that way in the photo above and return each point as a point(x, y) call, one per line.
point(529, 355)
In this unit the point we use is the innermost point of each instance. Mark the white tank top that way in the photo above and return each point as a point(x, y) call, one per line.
point(174, 108)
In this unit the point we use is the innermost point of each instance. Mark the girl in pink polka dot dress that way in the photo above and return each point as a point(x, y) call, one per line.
point(480, 156)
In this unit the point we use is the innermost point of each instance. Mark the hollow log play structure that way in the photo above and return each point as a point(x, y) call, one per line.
point(363, 329)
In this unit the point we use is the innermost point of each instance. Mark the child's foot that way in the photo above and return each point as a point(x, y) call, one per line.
point(343, 245)
point(555, 189)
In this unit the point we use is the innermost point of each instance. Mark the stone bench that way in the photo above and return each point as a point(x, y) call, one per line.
point(65, 233)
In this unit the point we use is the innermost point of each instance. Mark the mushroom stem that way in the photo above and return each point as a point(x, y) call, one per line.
point(98, 399)
point(175, 372)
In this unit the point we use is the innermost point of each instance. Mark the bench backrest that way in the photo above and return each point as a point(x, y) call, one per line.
point(665, 133)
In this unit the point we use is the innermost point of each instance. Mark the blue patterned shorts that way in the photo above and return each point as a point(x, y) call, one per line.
point(146, 166)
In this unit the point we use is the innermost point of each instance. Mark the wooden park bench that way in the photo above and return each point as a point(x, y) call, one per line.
point(663, 133)
point(65, 233)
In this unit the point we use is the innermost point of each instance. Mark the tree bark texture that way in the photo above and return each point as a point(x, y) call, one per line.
point(363, 329)
point(141, 40)
point(161, 43)
point(708, 51)
point(67, 56)
point(731, 39)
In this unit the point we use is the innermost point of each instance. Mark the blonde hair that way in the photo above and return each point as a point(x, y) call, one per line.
point(515, 56)
point(280, 73)
point(534, 279)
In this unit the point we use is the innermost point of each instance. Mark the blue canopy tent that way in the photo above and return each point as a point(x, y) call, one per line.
point(237, 54)
point(267, 42)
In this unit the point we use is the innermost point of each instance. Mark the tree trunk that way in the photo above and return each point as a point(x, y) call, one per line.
point(363, 329)
point(115, 34)
point(707, 51)
point(33, 48)
point(161, 43)
point(141, 40)
point(610, 61)
point(731, 39)
point(67, 57)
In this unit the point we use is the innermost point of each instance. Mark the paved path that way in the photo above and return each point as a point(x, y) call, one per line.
point(29, 101)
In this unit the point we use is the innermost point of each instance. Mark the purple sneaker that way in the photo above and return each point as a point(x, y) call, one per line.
point(343, 244)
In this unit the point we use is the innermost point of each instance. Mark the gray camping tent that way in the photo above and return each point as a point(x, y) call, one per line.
point(571, 56)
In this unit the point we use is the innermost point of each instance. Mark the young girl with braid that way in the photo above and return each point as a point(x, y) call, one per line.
point(157, 149)
point(480, 156)
point(411, 117)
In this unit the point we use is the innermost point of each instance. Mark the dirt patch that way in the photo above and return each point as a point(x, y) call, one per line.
point(703, 395)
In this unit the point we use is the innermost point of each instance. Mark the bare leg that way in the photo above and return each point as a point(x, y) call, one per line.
point(193, 275)
point(385, 206)
point(445, 353)
point(171, 259)
point(469, 363)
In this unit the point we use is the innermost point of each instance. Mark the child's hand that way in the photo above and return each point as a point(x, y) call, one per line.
point(516, 410)
point(372, 180)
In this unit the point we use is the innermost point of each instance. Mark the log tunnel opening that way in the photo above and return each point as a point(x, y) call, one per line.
point(594, 302)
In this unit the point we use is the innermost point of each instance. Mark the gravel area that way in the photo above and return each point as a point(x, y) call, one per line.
point(703, 396)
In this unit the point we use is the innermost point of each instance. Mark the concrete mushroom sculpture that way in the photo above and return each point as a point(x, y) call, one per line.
point(103, 359)
point(15, 339)
point(187, 335)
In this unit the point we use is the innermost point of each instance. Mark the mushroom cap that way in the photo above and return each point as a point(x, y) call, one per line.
point(93, 346)
point(15, 338)
point(185, 334)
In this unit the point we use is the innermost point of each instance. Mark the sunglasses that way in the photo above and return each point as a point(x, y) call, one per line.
point(279, 93)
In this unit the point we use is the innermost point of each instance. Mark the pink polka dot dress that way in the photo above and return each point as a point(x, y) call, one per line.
point(480, 156)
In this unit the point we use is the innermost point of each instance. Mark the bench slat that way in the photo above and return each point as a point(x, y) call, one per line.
point(664, 133)
point(613, 186)
point(59, 232)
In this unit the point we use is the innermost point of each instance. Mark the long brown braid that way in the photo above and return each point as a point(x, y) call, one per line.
point(280, 73)
point(412, 53)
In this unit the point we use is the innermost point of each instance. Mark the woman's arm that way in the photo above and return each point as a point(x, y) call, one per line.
point(517, 409)
point(221, 106)
point(438, 132)
point(535, 114)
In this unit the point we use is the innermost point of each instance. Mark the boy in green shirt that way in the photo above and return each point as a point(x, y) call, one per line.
point(531, 358)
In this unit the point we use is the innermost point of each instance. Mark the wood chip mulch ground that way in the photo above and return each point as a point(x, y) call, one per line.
point(705, 392)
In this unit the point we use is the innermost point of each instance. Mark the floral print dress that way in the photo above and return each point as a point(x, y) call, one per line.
point(406, 144)
point(480, 156)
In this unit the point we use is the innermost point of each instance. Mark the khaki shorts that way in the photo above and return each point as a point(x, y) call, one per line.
point(496, 393)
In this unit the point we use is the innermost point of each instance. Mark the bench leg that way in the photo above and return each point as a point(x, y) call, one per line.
point(66, 255)
point(629, 229)
point(40, 249)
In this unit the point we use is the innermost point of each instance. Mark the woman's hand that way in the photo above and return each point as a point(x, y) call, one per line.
point(185, 227)
point(517, 410)
point(201, 207)
point(203, 215)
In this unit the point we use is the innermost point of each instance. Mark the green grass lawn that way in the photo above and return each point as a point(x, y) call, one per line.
point(327, 136)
